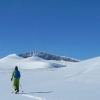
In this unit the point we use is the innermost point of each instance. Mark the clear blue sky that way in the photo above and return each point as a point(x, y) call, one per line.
point(61, 27)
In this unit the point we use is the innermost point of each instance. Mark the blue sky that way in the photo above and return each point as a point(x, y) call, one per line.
point(61, 27)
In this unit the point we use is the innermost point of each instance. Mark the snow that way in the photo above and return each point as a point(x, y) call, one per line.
point(28, 63)
point(41, 81)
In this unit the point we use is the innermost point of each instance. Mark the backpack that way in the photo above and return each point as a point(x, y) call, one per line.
point(16, 74)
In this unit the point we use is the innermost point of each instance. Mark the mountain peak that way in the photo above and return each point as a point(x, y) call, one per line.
point(47, 56)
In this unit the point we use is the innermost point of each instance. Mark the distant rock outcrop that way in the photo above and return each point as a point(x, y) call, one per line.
point(47, 56)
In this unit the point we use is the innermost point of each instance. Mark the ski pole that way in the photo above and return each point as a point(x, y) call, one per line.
point(21, 87)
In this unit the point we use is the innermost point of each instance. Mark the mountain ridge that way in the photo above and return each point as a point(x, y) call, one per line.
point(47, 56)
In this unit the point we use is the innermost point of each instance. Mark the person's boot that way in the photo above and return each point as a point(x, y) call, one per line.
point(15, 91)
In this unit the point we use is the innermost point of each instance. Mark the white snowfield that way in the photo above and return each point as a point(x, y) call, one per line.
point(41, 81)
point(29, 63)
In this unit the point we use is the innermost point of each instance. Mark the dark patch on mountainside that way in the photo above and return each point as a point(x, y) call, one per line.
point(47, 56)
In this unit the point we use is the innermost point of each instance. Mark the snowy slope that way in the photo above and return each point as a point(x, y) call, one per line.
point(29, 63)
point(79, 81)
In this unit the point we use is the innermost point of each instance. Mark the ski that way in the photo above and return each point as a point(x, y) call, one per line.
point(16, 93)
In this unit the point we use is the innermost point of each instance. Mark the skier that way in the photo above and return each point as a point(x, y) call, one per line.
point(16, 77)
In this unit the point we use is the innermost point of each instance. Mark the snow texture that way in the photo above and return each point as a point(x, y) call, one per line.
point(40, 80)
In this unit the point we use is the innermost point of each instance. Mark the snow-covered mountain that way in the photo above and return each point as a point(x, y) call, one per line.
point(76, 81)
point(47, 56)
point(31, 62)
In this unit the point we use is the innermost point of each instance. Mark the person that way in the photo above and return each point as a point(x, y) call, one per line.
point(16, 77)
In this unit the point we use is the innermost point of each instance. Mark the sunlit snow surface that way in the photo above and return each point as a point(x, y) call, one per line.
point(41, 81)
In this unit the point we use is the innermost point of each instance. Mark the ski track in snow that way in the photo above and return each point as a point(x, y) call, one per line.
point(33, 97)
